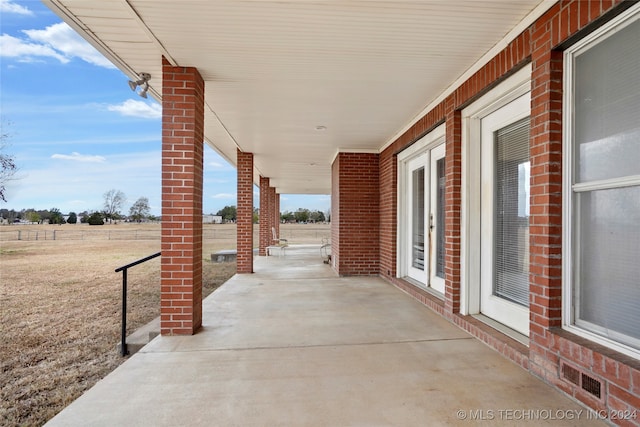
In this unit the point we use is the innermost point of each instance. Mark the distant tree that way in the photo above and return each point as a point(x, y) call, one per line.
point(95, 219)
point(32, 216)
point(45, 215)
point(73, 218)
point(140, 209)
point(9, 215)
point(114, 200)
point(256, 216)
point(287, 217)
point(8, 166)
point(228, 213)
point(316, 216)
point(55, 216)
point(301, 215)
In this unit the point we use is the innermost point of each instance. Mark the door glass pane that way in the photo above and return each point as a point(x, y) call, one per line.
point(512, 168)
point(607, 107)
point(417, 211)
point(440, 218)
point(609, 267)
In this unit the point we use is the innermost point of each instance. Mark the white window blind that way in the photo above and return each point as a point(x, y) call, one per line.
point(418, 219)
point(440, 174)
point(511, 240)
point(606, 186)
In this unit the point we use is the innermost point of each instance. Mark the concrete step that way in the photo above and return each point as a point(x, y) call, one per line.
point(142, 336)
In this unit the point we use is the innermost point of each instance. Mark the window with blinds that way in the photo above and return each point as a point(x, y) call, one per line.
point(605, 183)
point(418, 219)
point(440, 193)
point(511, 239)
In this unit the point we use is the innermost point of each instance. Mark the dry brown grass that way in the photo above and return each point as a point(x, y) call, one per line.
point(60, 307)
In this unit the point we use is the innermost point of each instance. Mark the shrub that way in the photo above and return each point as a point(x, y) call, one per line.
point(95, 219)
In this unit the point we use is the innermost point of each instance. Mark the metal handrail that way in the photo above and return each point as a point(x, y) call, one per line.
point(123, 343)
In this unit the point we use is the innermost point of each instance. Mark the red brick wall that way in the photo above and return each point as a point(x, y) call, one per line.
point(181, 242)
point(355, 217)
point(540, 44)
point(245, 213)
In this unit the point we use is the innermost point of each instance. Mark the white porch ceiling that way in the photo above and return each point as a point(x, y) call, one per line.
point(274, 71)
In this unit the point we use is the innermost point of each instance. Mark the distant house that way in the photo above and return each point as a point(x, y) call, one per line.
point(211, 219)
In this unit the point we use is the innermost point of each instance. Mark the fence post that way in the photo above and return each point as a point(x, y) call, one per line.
point(54, 234)
point(19, 234)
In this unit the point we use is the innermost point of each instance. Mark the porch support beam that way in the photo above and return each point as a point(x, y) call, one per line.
point(355, 210)
point(273, 212)
point(265, 216)
point(181, 241)
point(277, 214)
point(244, 213)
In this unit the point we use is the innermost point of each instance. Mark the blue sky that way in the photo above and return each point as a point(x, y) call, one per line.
point(77, 130)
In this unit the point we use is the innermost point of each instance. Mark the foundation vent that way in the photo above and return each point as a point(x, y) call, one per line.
point(583, 380)
point(591, 385)
point(571, 374)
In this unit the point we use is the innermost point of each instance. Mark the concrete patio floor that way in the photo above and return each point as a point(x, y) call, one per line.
point(295, 345)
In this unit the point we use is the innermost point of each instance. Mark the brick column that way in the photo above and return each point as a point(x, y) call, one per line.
point(265, 217)
point(272, 211)
point(355, 221)
point(453, 208)
point(545, 222)
point(245, 213)
point(181, 242)
point(277, 219)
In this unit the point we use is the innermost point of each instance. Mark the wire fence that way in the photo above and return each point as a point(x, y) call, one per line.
point(303, 234)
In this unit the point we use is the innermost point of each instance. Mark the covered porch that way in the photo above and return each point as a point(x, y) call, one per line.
point(395, 109)
point(293, 344)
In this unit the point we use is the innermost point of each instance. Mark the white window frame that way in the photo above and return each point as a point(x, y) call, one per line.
point(569, 188)
point(507, 91)
point(431, 140)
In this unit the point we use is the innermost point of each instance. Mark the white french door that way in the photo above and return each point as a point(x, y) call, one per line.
point(504, 215)
point(424, 213)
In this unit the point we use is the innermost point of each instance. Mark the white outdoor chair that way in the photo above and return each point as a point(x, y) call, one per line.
point(277, 243)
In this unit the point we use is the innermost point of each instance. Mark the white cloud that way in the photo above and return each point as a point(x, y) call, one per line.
point(63, 38)
point(13, 47)
point(133, 108)
point(57, 41)
point(216, 165)
point(79, 157)
point(6, 6)
point(223, 196)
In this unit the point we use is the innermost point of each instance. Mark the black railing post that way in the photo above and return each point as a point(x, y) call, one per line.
point(123, 344)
